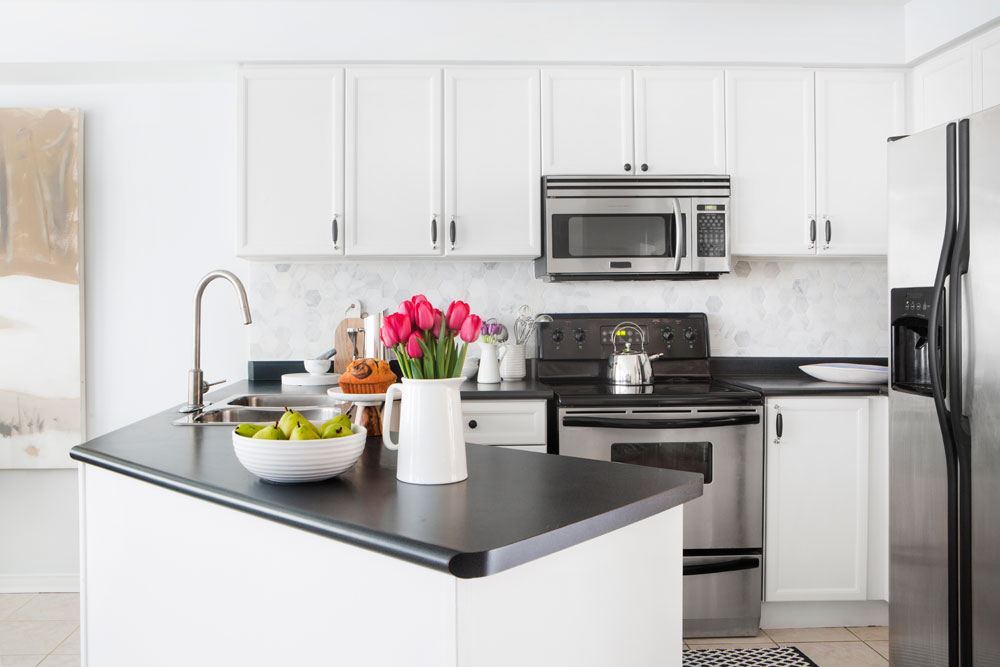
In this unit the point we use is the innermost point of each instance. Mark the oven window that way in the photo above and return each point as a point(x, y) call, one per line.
point(621, 235)
point(686, 456)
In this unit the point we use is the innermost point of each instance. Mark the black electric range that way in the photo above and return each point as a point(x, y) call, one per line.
point(574, 348)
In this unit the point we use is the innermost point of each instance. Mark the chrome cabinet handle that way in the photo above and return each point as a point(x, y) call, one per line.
point(434, 231)
point(335, 233)
point(779, 426)
point(829, 232)
point(812, 233)
point(453, 232)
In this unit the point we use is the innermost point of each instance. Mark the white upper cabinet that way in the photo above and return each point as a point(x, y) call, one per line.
point(393, 162)
point(587, 121)
point(770, 147)
point(816, 516)
point(492, 162)
point(942, 89)
point(291, 180)
point(986, 70)
point(856, 112)
point(680, 121)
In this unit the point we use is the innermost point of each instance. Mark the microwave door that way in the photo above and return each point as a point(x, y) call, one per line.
point(617, 235)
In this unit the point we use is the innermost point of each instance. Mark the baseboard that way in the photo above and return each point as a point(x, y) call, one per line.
point(39, 583)
point(823, 614)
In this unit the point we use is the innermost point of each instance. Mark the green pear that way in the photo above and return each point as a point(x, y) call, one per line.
point(334, 429)
point(271, 432)
point(290, 419)
point(304, 432)
point(247, 430)
point(339, 420)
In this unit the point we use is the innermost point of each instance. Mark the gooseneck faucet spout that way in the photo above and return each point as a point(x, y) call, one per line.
point(196, 382)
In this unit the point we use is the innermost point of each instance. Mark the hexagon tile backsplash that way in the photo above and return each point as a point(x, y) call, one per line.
point(763, 308)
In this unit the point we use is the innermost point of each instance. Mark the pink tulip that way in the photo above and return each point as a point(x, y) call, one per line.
point(469, 330)
point(389, 333)
point(409, 311)
point(413, 348)
point(424, 315)
point(457, 312)
point(418, 298)
point(436, 329)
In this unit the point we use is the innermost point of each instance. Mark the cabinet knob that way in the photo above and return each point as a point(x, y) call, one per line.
point(628, 167)
point(644, 166)
point(473, 423)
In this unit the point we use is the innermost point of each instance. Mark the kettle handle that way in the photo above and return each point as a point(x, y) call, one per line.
point(627, 325)
point(387, 414)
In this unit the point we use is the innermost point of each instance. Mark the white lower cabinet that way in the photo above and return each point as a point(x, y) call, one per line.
point(516, 424)
point(816, 525)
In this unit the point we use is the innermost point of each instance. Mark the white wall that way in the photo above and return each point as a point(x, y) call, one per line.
point(160, 193)
point(608, 31)
point(933, 24)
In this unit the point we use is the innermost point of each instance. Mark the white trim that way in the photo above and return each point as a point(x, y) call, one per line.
point(39, 583)
point(823, 614)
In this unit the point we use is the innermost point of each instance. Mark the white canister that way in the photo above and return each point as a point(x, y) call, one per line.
point(512, 366)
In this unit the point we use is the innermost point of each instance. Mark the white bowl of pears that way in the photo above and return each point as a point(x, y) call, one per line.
point(294, 450)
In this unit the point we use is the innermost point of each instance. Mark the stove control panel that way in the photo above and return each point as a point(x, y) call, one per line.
point(579, 336)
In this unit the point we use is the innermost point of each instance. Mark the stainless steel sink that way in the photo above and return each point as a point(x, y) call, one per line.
point(262, 409)
point(258, 415)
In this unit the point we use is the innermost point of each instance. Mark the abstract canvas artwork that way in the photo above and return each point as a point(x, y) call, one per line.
point(41, 270)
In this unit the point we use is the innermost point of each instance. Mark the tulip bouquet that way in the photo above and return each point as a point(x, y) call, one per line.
point(424, 338)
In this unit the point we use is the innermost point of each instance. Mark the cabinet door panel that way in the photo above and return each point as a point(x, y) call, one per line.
point(816, 515)
point(986, 66)
point(942, 88)
point(291, 150)
point(680, 121)
point(770, 151)
point(393, 162)
point(492, 162)
point(587, 121)
point(855, 113)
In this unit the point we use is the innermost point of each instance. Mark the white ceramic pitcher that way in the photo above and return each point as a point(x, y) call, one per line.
point(431, 442)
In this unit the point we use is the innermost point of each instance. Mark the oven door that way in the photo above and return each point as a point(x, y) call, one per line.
point(726, 445)
point(591, 235)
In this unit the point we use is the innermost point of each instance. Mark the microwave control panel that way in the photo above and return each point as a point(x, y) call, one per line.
point(711, 224)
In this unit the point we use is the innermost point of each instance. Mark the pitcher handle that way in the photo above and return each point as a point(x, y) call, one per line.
point(387, 415)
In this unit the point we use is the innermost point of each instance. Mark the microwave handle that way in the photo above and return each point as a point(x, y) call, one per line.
point(679, 236)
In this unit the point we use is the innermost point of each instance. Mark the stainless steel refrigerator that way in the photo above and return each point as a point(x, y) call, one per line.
point(944, 400)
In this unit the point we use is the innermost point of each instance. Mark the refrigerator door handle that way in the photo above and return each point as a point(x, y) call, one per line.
point(959, 268)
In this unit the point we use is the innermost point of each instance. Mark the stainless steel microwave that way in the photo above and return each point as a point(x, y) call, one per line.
point(634, 227)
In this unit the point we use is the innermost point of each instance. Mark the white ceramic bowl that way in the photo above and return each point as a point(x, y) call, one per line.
point(291, 461)
point(849, 373)
point(317, 366)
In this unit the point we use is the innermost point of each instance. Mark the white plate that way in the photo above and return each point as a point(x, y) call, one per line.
point(338, 395)
point(310, 379)
point(848, 373)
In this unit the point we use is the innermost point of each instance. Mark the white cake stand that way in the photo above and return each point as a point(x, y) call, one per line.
point(369, 408)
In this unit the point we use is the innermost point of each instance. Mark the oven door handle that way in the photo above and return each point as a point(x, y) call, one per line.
point(698, 422)
point(734, 565)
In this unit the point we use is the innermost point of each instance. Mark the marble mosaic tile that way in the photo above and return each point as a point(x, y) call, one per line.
point(820, 307)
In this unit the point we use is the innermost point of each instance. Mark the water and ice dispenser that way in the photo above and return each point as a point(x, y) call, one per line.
point(909, 313)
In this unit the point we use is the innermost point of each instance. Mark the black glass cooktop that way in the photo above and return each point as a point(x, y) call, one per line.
point(692, 392)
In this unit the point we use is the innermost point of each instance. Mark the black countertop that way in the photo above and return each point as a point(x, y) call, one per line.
point(524, 390)
point(803, 385)
point(515, 507)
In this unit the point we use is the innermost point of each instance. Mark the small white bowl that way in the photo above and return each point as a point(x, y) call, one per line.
point(848, 373)
point(292, 461)
point(317, 366)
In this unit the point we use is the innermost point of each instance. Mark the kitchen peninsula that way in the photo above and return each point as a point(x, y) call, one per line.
point(534, 560)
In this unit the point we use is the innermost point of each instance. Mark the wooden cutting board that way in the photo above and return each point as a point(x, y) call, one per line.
point(343, 344)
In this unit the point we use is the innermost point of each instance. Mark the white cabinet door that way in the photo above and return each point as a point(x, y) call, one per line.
point(393, 162)
point(505, 422)
point(770, 151)
point(878, 498)
point(492, 162)
point(587, 121)
point(942, 88)
point(680, 121)
point(855, 113)
point(291, 162)
point(986, 69)
point(816, 507)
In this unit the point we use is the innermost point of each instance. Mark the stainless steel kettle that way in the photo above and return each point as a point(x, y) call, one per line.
point(630, 367)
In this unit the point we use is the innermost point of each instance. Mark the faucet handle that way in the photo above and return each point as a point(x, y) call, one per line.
point(205, 385)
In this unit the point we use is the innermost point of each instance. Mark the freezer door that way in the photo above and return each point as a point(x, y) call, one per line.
point(918, 501)
point(982, 366)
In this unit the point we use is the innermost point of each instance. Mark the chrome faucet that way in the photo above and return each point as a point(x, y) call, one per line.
point(196, 383)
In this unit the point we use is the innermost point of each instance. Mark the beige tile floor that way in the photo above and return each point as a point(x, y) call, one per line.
point(39, 630)
point(827, 647)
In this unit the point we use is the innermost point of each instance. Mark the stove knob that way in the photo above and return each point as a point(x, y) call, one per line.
point(690, 334)
point(667, 334)
point(557, 335)
point(580, 335)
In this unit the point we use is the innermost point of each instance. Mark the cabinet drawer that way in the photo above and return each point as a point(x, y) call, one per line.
point(504, 422)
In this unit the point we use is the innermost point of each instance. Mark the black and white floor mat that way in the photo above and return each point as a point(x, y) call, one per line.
point(787, 656)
